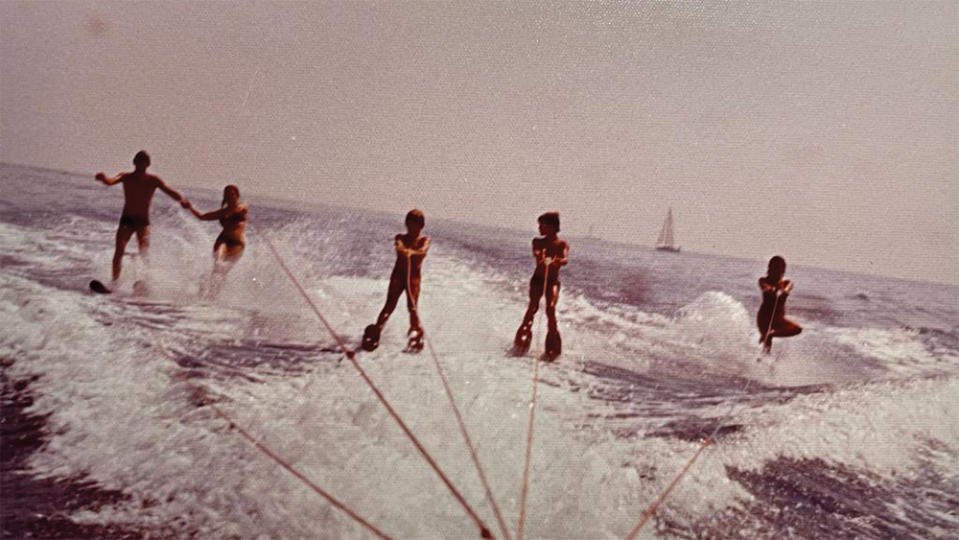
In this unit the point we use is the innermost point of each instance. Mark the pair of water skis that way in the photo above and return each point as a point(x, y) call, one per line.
point(139, 288)
point(524, 338)
point(554, 344)
point(371, 339)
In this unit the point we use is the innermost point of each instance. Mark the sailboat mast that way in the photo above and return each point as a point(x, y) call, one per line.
point(669, 228)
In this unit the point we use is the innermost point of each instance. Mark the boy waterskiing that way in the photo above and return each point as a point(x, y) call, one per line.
point(410, 249)
point(550, 253)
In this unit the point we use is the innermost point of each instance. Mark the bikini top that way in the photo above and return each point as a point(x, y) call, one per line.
point(234, 218)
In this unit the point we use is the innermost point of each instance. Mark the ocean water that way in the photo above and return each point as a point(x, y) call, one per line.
point(849, 430)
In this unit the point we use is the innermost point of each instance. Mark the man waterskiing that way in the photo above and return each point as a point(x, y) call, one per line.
point(138, 189)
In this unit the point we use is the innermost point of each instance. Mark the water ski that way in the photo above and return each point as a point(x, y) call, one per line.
point(521, 343)
point(415, 342)
point(371, 338)
point(554, 346)
point(140, 288)
point(98, 287)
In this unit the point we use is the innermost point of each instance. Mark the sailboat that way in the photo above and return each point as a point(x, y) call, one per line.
point(666, 242)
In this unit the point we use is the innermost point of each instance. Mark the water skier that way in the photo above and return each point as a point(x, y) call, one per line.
point(138, 189)
point(229, 245)
point(550, 253)
point(771, 317)
point(411, 249)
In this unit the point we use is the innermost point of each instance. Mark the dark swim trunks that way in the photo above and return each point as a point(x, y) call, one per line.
point(538, 281)
point(134, 222)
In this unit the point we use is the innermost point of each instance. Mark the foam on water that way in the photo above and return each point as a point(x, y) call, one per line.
point(120, 415)
point(616, 419)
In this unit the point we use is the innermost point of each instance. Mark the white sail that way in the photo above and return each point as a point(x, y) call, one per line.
point(666, 240)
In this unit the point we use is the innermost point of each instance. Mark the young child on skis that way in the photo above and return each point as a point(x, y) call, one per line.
point(550, 253)
point(411, 249)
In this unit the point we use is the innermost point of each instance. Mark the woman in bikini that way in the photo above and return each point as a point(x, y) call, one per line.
point(229, 245)
point(771, 318)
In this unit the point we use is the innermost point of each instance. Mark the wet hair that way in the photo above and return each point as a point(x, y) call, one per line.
point(776, 261)
point(228, 189)
point(550, 218)
point(416, 217)
point(142, 157)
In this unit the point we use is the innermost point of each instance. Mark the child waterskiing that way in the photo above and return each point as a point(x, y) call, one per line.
point(550, 253)
point(411, 249)
point(771, 318)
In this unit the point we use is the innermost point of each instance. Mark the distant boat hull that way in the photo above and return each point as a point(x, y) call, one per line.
point(671, 249)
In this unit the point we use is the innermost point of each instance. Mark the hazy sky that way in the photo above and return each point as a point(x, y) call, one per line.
point(826, 132)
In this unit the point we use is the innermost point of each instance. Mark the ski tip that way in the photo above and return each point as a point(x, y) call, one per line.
point(371, 338)
point(415, 343)
point(98, 287)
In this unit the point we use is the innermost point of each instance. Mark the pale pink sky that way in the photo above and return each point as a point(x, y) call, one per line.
point(822, 131)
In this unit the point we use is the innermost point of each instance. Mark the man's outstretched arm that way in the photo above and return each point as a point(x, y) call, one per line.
point(174, 194)
point(100, 177)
